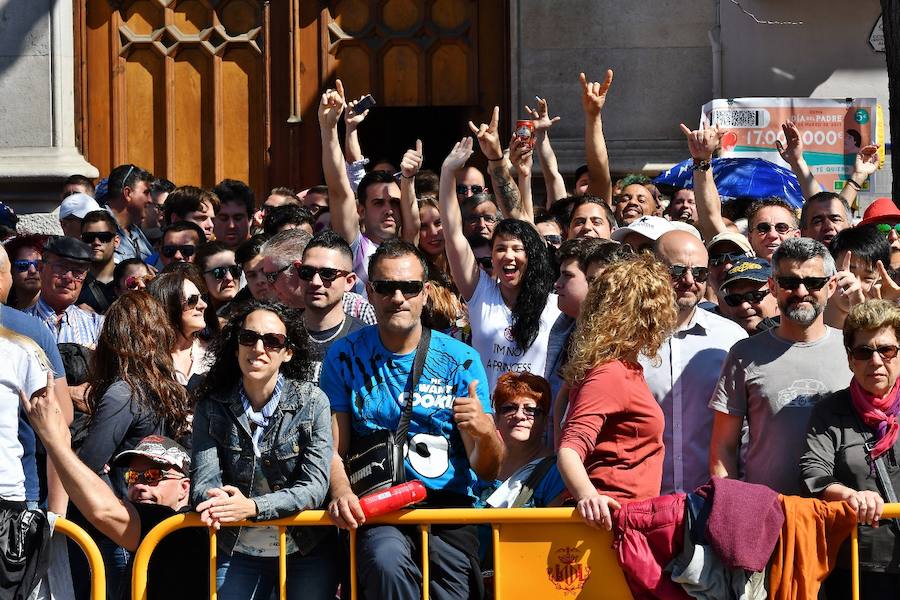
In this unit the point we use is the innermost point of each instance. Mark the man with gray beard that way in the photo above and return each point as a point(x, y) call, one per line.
point(774, 379)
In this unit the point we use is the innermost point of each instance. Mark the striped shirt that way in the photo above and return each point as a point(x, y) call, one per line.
point(259, 420)
point(74, 325)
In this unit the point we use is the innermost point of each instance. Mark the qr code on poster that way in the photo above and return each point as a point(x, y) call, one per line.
point(740, 118)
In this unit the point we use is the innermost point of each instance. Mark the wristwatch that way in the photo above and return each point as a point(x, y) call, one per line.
point(702, 165)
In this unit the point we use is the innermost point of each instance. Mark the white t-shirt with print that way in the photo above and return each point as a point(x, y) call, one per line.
point(491, 322)
point(20, 369)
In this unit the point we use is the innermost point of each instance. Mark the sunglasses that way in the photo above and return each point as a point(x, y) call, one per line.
point(865, 352)
point(700, 274)
point(750, 297)
point(62, 269)
point(553, 239)
point(191, 302)
point(486, 263)
point(23, 265)
point(461, 189)
point(270, 341)
point(720, 259)
point(886, 229)
point(273, 276)
point(764, 228)
point(307, 272)
point(137, 282)
point(150, 476)
point(813, 284)
point(105, 237)
point(186, 250)
point(508, 410)
point(409, 289)
point(219, 273)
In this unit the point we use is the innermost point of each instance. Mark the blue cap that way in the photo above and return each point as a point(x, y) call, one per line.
point(748, 268)
point(8, 216)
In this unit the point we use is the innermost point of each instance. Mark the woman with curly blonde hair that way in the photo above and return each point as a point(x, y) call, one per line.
point(611, 448)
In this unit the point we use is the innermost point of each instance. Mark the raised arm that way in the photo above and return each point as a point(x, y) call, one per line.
point(521, 155)
point(459, 254)
point(352, 121)
point(593, 98)
point(409, 209)
point(867, 162)
point(792, 153)
point(553, 181)
point(505, 190)
point(341, 200)
point(702, 143)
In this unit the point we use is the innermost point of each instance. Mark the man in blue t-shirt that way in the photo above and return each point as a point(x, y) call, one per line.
point(451, 431)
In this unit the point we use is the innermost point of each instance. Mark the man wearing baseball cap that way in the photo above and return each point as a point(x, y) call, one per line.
point(642, 233)
point(158, 488)
point(744, 295)
point(72, 211)
point(725, 248)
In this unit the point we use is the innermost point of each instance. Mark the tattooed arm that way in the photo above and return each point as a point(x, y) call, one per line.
point(505, 189)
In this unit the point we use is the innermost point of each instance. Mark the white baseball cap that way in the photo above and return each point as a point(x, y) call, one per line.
point(77, 205)
point(650, 227)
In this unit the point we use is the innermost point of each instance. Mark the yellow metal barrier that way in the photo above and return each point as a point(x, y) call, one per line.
point(550, 550)
point(89, 547)
point(891, 511)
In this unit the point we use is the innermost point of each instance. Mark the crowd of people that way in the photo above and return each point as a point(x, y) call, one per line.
point(180, 349)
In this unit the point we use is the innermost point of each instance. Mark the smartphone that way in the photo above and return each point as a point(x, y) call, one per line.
point(365, 103)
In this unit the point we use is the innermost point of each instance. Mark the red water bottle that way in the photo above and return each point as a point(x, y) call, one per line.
point(393, 498)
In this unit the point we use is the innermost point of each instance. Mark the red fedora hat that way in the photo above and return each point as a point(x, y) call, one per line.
point(882, 210)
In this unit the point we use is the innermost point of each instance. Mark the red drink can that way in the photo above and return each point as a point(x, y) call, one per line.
point(393, 498)
point(525, 131)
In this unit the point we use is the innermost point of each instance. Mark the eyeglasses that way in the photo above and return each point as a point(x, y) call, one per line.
point(750, 297)
point(700, 274)
point(22, 265)
point(191, 302)
point(137, 282)
point(150, 476)
point(764, 228)
point(273, 276)
point(461, 189)
point(508, 410)
point(60, 269)
point(219, 273)
point(186, 250)
point(409, 289)
point(553, 239)
point(886, 352)
point(473, 219)
point(885, 229)
point(270, 341)
point(486, 263)
point(307, 272)
point(729, 257)
point(813, 284)
point(105, 237)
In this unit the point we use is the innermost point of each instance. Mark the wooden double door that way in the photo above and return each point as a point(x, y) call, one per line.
point(199, 90)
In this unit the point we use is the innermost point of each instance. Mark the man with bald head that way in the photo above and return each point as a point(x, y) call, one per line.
point(684, 377)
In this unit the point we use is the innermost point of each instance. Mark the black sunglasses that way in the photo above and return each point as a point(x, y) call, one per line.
point(812, 284)
point(765, 228)
point(486, 263)
point(193, 300)
point(751, 297)
point(307, 272)
point(720, 259)
point(105, 237)
point(273, 276)
point(700, 274)
point(462, 189)
point(218, 273)
point(508, 410)
point(271, 341)
point(886, 352)
point(553, 238)
point(187, 250)
point(386, 287)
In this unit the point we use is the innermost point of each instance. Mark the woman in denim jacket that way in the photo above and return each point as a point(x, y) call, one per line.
point(262, 448)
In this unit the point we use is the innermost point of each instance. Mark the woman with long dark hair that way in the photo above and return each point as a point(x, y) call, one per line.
point(511, 312)
point(262, 450)
point(184, 302)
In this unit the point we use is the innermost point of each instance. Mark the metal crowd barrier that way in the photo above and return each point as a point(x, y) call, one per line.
point(538, 552)
point(91, 551)
point(891, 511)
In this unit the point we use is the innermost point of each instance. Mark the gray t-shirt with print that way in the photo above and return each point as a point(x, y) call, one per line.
point(774, 384)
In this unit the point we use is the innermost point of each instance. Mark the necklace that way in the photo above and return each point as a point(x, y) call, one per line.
point(329, 338)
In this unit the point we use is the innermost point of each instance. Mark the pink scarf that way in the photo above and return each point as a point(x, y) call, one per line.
point(878, 413)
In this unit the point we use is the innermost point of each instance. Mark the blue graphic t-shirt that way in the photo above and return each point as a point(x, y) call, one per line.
point(363, 378)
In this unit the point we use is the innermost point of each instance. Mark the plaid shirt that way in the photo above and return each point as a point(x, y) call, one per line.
point(74, 325)
point(358, 307)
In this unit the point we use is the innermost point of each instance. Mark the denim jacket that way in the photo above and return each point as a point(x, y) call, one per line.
point(295, 456)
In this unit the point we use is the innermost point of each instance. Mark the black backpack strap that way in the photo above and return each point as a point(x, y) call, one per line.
point(414, 376)
point(533, 480)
